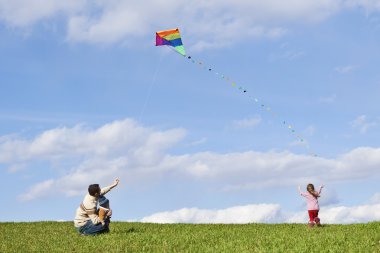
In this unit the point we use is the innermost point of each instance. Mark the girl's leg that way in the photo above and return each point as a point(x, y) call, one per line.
point(311, 215)
point(316, 219)
point(311, 218)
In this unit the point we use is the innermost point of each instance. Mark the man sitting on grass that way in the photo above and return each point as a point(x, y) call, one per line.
point(87, 221)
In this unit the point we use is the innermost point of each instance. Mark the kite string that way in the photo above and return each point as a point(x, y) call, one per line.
point(153, 81)
point(264, 107)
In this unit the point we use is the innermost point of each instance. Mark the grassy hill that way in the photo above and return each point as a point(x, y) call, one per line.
point(145, 237)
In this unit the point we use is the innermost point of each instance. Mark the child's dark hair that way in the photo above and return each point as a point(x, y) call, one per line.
point(310, 189)
point(93, 189)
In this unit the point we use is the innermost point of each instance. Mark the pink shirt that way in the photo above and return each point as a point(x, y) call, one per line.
point(311, 201)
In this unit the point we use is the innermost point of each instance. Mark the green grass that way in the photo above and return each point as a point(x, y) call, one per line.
point(145, 237)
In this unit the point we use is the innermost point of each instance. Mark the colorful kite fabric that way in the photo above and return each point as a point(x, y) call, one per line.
point(170, 38)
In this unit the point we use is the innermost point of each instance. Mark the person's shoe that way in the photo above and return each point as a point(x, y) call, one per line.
point(318, 221)
point(311, 224)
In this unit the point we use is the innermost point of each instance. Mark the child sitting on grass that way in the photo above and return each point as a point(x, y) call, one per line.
point(312, 203)
point(104, 207)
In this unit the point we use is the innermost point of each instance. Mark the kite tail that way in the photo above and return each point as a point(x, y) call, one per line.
point(299, 138)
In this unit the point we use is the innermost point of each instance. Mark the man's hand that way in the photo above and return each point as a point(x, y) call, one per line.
point(109, 213)
point(115, 183)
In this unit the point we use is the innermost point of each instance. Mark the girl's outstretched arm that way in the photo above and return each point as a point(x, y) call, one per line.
point(300, 192)
point(320, 189)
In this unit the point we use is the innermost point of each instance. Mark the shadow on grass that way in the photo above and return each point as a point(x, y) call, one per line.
point(125, 231)
point(131, 230)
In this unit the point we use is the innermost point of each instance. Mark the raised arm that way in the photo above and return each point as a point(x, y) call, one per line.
point(300, 192)
point(304, 194)
point(115, 183)
point(108, 188)
point(320, 190)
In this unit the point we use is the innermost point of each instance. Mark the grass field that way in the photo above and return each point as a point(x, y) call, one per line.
point(145, 237)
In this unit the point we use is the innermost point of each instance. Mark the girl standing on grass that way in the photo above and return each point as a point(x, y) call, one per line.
point(312, 203)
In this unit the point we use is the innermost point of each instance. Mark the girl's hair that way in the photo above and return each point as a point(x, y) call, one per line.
point(310, 189)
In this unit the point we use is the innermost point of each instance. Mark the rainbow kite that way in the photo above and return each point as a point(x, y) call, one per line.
point(170, 38)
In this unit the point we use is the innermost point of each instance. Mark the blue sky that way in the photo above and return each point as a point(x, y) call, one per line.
point(87, 97)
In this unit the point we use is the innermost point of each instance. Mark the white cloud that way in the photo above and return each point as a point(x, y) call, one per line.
point(328, 99)
point(368, 5)
point(214, 23)
point(86, 155)
point(246, 123)
point(237, 214)
point(22, 13)
point(111, 140)
point(266, 213)
point(75, 182)
point(252, 170)
point(211, 24)
point(344, 214)
point(127, 149)
point(16, 168)
point(356, 214)
point(39, 190)
point(198, 142)
point(345, 69)
point(375, 198)
point(329, 197)
point(362, 124)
